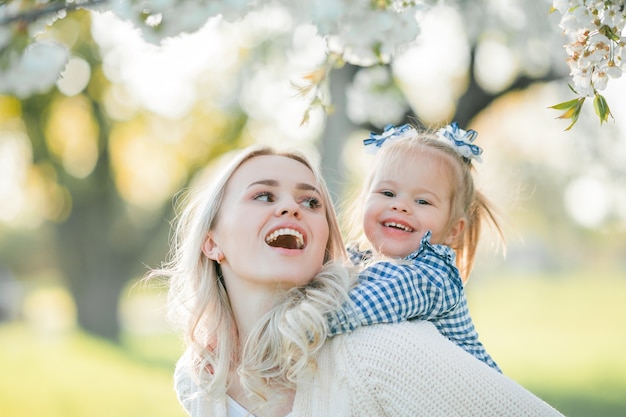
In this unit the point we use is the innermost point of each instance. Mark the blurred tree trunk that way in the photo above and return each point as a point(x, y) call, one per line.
point(476, 99)
point(95, 269)
point(95, 256)
point(338, 127)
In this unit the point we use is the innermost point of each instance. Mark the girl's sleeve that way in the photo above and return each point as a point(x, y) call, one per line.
point(389, 292)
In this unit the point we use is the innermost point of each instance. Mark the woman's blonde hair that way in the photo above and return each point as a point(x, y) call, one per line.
point(280, 347)
point(466, 201)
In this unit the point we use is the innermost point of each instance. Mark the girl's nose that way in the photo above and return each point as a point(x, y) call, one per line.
point(398, 204)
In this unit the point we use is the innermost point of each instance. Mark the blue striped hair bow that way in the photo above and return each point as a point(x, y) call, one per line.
point(461, 141)
point(390, 133)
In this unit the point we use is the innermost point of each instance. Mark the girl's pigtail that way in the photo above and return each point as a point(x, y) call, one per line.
point(480, 210)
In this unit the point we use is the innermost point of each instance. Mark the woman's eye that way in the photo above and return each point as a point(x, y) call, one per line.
point(263, 196)
point(312, 203)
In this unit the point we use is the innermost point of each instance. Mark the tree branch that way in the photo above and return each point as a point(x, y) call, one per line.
point(30, 16)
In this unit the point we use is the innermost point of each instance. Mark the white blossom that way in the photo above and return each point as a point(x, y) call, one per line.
point(36, 71)
point(614, 17)
point(594, 52)
point(161, 19)
point(354, 38)
point(373, 98)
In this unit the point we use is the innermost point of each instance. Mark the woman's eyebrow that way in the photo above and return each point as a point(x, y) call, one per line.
point(273, 183)
point(306, 187)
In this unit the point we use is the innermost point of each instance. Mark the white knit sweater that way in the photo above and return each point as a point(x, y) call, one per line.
point(397, 370)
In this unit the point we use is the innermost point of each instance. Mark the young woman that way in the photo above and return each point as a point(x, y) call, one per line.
point(256, 269)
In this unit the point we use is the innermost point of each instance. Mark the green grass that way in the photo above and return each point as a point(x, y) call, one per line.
point(74, 375)
point(563, 337)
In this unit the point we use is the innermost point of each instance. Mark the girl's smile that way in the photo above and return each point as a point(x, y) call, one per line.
point(403, 204)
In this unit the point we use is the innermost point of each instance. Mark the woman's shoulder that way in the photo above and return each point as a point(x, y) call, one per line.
point(392, 343)
point(190, 392)
point(410, 369)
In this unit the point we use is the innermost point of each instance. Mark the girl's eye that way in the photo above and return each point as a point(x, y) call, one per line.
point(312, 203)
point(264, 196)
point(422, 202)
point(388, 193)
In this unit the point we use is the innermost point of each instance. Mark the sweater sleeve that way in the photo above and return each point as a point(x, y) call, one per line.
point(410, 369)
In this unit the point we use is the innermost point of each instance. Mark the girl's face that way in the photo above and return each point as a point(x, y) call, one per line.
point(405, 200)
point(271, 228)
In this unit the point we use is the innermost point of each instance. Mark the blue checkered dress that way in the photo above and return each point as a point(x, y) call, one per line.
point(425, 285)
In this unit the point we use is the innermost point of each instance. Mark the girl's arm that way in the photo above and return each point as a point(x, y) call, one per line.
point(426, 287)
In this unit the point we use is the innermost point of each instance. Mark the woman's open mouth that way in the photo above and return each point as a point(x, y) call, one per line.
point(285, 238)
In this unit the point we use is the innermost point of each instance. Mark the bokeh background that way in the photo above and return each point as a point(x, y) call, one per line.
point(89, 172)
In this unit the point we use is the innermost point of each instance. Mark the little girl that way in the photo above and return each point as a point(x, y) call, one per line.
point(421, 209)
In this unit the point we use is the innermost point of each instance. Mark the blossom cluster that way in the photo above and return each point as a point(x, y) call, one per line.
point(360, 32)
point(596, 52)
point(363, 32)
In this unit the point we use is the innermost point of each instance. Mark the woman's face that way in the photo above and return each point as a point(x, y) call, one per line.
point(271, 227)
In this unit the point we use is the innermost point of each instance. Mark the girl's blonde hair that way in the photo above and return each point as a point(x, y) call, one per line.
point(466, 201)
point(279, 349)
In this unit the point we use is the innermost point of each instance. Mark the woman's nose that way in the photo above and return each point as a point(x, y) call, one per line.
point(288, 207)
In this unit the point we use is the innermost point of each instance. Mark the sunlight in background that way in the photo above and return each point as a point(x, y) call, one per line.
point(209, 66)
point(521, 127)
point(50, 311)
point(160, 77)
point(74, 77)
point(207, 69)
point(587, 200)
point(72, 135)
point(139, 160)
point(189, 84)
point(15, 156)
point(496, 65)
point(433, 72)
point(29, 193)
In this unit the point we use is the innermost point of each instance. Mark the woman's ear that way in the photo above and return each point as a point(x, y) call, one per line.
point(211, 250)
point(455, 231)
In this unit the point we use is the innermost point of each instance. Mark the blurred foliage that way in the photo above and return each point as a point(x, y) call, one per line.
point(99, 184)
point(103, 169)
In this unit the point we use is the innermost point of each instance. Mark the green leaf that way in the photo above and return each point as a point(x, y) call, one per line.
point(602, 108)
point(572, 110)
point(572, 88)
point(565, 104)
point(607, 31)
point(576, 113)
